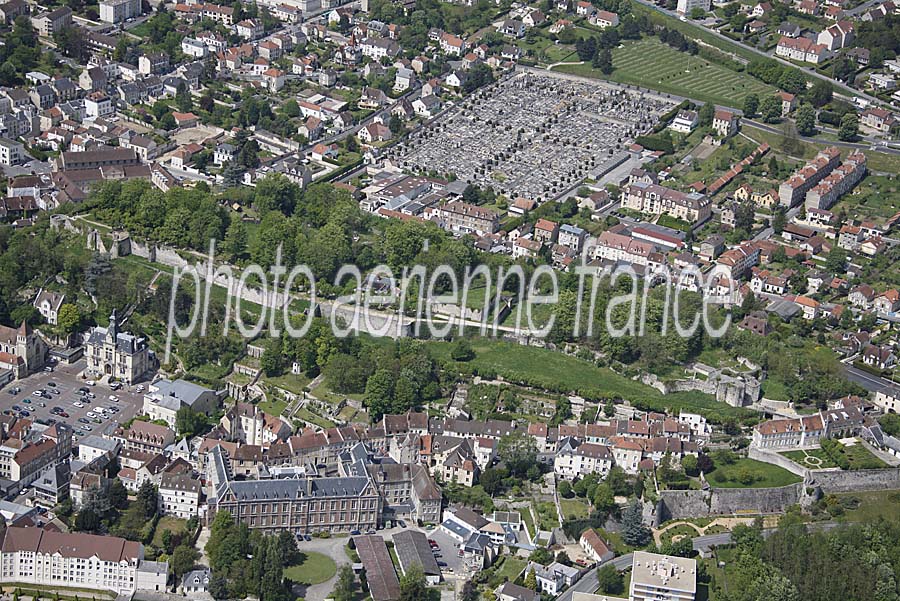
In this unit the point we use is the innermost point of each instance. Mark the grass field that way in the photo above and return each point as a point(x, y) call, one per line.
point(875, 161)
point(873, 505)
point(555, 371)
point(314, 568)
point(749, 473)
point(511, 568)
point(651, 64)
point(860, 457)
point(573, 508)
point(812, 458)
point(167, 522)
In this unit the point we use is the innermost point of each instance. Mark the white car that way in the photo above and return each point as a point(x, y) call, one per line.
point(91, 383)
point(140, 388)
point(113, 398)
point(79, 404)
point(91, 415)
point(100, 410)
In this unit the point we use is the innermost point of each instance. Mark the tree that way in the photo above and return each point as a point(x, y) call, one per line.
point(697, 13)
point(462, 351)
point(189, 422)
point(167, 122)
point(469, 591)
point(779, 220)
point(413, 586)
point(836, 261)
point(183, 99)
point(820, 93)
point(849, 128)
point(396, 125)
point(806, 120)
point(271, 361)
point(634, 532)
point(518, 452)
point(603, 61)
point(491, 480)
point(751, 105)
point(792, 81)
point(147, 499)
point(706, 114)
point(771, 109)
point(604, 500)
point(87, 520)
point(118, 494)
point(68, 318)
point(565, 489)
point(183, 559)
point(609, 580)
point(609, 408)
point(218, 585)
point(531, 580)
point(343, 588)
point(234, 245)
point(690, 465)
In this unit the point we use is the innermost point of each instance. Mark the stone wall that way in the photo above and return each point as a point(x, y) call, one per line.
point(675, 504)
point(856, 481)
point(779, 460)
point(735, 391)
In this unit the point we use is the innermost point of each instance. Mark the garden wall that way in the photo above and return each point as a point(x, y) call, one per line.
point(675, 504)
point(856, 481)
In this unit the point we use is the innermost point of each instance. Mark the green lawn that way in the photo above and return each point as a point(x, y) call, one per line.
point(875, 161)
point(543, 368)
point(749, 473)
point(314, 568)
point(872, 506)
point(650, 63)
point(860, 457)
point(812, 458)
point(167, 522)
point(273, 406)
point(546, 512)
point(305, 414)
point(573, 508)
point(290, 382)
point(510, 569)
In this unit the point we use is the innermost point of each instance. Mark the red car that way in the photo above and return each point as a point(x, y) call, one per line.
point(63, 414)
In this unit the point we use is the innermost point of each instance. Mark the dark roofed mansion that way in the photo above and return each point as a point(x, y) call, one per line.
point(117, 354)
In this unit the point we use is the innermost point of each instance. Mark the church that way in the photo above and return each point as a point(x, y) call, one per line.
point(21, 351)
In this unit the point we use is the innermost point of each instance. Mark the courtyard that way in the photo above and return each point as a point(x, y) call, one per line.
point(532, 134)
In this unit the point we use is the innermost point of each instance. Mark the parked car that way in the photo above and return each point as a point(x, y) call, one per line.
point(26, 401)
point(78, 404)
point(84, 420)
point(15, 391)
point(42, 404)
point(91, 414)
point(51, 384)
point(114, 398)
point(63, 414)
point(91, 383)
point(16, 408)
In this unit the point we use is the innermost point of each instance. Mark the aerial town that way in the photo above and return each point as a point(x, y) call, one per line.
point(735, 160)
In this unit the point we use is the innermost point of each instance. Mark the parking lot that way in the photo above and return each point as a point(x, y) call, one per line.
point(448, 553)
point(66, 380)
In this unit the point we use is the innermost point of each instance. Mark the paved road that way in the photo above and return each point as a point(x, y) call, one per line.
point(870, 382)
point(809, 71)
